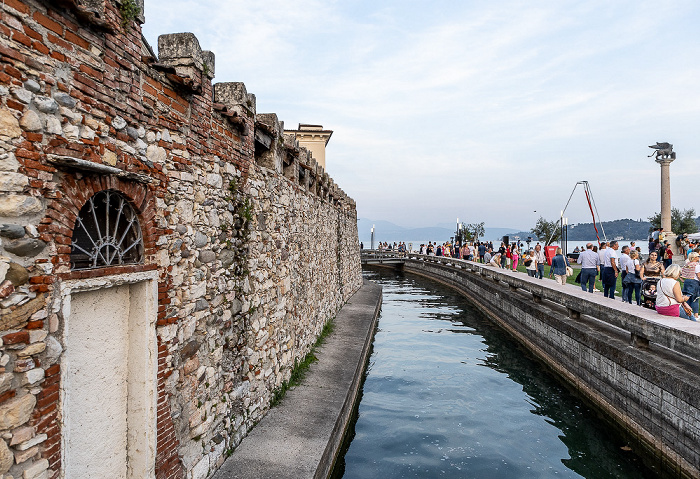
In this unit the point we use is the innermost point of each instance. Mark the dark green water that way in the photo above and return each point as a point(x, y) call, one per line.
point(447, 394)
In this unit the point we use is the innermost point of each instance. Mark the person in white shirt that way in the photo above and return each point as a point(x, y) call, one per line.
point(611, 270)
point(601, 255)
point(589, 261)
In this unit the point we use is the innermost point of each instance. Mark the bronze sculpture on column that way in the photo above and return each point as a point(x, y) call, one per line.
point(664, 155)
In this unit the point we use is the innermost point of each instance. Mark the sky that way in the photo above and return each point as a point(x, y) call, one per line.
point(478, 110)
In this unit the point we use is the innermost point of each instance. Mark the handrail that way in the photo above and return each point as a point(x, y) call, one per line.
point(644, 325)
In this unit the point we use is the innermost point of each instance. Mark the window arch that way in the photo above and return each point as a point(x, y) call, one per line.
point(106, 233)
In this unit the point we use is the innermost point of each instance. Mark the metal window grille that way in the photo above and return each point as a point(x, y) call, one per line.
point(106, 233)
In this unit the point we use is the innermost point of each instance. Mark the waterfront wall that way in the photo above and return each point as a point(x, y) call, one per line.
point(242, 248)
point(640, 368)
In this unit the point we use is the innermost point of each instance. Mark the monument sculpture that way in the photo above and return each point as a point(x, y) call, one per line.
point(663, 150)
point(664, 155)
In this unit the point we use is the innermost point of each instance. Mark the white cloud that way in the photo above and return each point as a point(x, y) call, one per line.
point(470, 105)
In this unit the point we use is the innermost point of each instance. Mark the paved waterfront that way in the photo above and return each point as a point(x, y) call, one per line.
point(300, 437)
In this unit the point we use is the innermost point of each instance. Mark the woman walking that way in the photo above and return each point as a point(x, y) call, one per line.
point(514, 254)
point(559, 265)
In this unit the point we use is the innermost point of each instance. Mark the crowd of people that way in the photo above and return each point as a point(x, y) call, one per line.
point(656, 276)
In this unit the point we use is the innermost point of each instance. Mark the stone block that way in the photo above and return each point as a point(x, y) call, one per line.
point(16, 411)
point(22, 456)
point(234, 94)
point(8, 162)
point(5, 382)
point(21, 314)
point(46, 104)
point(16, 274)
point(31, 350)
point(9, 126)
point(36, 440)
point(21, 435)
point(6, 457)
point(179, 49)
point(209, 60)
point(25, 246)
point(31, 121)
point(19, 205)
point(38, 470)
point(13, 182)
point(32, 376)
point(64, 99)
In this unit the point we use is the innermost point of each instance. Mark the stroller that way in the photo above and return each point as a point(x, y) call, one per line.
point(649, 292)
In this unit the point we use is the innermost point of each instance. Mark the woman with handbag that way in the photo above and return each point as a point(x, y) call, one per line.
point(633, 280)
point(530, 264)
point(560, 267)
point(669, 299)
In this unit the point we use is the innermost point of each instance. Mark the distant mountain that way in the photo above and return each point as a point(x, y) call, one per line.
point(628, 229)
point(386, 231)
point(390, 232)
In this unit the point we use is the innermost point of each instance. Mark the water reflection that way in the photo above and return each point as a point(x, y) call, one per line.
point(470, 404)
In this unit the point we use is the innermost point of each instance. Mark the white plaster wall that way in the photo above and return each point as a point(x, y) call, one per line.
point(142, 377)
point(95, 405)
point(109, 374)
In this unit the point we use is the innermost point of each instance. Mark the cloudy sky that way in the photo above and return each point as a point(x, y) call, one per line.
point(483, 110)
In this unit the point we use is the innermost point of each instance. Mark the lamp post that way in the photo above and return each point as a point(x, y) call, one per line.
point(372, 239)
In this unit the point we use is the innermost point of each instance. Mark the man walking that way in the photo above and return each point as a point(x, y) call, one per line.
point(589, 262)
point(611, 268)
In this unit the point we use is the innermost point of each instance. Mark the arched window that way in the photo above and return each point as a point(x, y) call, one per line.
point(106, 233)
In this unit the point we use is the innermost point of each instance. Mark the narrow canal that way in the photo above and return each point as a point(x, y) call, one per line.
point(447, 394)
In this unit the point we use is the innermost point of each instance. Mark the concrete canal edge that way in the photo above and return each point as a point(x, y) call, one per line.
point(302, 436)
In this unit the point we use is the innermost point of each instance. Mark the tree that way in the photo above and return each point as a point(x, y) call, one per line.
point(681, 222)
point(548, 231)
point(475, 230)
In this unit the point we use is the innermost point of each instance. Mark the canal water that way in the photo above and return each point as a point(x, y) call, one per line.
point(449, 395)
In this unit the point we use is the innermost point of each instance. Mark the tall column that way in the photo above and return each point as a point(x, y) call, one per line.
point(665, 193)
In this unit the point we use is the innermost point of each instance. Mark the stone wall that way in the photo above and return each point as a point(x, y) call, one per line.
point(639, 368)
point(250, 246)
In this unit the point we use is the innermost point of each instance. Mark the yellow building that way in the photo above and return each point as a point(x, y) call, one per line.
point(314, 138)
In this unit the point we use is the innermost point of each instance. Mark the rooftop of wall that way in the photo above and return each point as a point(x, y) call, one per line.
point(181, 57)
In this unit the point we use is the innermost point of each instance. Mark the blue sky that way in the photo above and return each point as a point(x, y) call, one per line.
point(483, 110)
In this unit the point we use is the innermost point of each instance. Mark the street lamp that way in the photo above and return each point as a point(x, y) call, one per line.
point(372, 239)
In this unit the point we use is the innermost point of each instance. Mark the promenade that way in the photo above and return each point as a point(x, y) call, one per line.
point(301, 437)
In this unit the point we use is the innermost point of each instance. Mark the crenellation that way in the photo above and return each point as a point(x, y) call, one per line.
point(238, 267)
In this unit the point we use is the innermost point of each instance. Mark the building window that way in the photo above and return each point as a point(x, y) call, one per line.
point(106, 233)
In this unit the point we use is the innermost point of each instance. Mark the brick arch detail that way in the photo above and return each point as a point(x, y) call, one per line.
point(62, 213)
point(58, 224)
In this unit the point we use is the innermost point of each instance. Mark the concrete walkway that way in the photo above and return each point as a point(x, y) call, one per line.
point(301, 437)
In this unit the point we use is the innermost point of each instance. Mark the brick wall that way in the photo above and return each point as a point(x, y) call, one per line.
point(255, 247)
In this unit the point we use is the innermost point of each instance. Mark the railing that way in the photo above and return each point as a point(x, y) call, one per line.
point(644, 325)
point(382, 256)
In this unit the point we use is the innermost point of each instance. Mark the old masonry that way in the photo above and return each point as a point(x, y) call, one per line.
point(167, 253)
